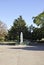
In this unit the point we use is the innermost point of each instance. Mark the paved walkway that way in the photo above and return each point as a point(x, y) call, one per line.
point(21, 55)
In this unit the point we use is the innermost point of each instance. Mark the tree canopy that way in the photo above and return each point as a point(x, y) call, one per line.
point(3, 30)
point(19, 25)
point(39, 19)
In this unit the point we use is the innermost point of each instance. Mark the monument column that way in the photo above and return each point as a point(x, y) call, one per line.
point(21, 38)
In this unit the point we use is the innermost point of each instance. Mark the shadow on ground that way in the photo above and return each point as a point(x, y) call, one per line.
point(33, 48)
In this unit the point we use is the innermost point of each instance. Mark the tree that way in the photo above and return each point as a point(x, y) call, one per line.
point(3, 30)
point(31, 28)
point(39, 20)
point(38, 33)
point(19, 25)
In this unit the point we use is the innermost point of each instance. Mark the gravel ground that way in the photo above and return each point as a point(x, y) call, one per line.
point(21, 55)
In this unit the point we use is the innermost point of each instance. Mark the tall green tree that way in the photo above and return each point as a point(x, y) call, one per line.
point(39, 21)
point(19, 25)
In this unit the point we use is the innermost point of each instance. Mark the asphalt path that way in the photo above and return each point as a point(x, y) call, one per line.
point(21, 55)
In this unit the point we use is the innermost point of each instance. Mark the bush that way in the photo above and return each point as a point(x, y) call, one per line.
point(2, 38)
point(10, 43)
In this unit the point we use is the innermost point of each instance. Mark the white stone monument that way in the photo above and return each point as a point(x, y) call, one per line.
point(21, 38)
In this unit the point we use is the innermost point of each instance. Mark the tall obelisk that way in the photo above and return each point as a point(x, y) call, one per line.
point(21, 38)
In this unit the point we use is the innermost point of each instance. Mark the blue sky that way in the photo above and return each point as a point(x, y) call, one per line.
point(12, 9)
